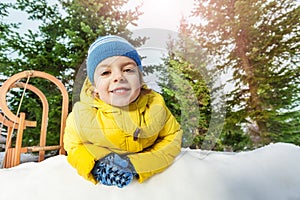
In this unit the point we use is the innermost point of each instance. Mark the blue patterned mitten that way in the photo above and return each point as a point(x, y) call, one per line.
point(114, 170)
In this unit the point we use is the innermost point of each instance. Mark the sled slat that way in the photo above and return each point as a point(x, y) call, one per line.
point(45, 148)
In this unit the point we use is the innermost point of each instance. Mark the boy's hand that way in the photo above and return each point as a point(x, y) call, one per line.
point(114, 170)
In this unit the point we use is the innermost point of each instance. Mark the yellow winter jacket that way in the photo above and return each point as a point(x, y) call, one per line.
point(145, 131)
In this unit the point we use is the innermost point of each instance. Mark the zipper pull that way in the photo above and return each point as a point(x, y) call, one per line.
point(136, 134)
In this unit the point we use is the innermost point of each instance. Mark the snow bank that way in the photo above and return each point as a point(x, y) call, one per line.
point(268, 173)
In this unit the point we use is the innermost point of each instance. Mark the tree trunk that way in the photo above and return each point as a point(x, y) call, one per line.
point(255, 103)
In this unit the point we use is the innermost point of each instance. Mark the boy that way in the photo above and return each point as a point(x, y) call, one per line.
point(119, 129)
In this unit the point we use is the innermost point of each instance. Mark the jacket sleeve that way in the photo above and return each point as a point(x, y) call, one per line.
point(81, 154)
point(162, 153)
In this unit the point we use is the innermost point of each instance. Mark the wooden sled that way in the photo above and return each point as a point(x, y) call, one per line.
point(19, 122)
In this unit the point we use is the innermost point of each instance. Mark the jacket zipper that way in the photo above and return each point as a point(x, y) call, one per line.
point(136, 134)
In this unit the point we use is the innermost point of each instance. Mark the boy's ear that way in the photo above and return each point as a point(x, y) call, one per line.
point(96, 91)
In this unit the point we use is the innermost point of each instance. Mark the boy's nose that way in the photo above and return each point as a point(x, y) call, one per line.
point(118, 77)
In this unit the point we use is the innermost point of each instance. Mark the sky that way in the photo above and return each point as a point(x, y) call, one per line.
point(267, 173)
point(164, 14)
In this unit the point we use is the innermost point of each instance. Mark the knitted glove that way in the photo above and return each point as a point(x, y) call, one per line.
point(114, 170)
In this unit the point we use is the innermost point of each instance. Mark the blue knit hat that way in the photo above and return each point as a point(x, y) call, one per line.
point(108, 46)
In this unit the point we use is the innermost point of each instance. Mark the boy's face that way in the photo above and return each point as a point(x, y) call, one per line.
point(117, 81)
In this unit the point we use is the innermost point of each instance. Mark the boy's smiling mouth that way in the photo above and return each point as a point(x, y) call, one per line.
point(120, 90)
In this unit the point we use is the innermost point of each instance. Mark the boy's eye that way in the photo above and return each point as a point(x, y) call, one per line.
point(129, 70)
point(105, 73)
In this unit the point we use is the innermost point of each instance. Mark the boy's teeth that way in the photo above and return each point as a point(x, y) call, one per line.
point(119, 90)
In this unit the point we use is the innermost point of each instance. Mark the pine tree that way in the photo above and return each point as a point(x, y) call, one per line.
point(259, 42)
point(186, 88)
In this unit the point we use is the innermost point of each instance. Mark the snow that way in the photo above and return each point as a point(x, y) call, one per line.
point(267, 173)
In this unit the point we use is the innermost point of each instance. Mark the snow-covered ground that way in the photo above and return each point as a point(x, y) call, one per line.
point(268, 173)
